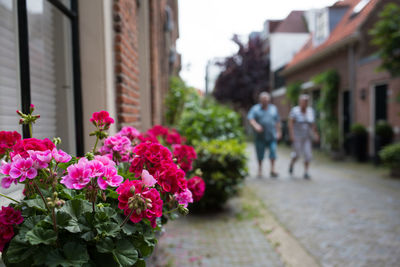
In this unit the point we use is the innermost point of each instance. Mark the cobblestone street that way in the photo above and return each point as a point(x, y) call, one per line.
point(347, 215)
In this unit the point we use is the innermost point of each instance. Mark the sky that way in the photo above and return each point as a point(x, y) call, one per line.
point(207, 26)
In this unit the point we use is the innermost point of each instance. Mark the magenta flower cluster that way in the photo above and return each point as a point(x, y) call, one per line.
point(101, 169)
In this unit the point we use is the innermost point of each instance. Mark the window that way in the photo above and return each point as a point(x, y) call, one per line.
point(9, 86)
point(39, 64)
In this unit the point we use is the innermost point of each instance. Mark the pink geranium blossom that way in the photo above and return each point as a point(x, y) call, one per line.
point(10, 216)
point(148, 179)
point(60, 156)
point(131, 132)
point(40, 159)
point(6, 234)
point(22, 168)
point(184, 198)
point(119, 147)
point(197, 186)
point(110, 177)
point(79, 175)
point(133, 194)
point(102, 119)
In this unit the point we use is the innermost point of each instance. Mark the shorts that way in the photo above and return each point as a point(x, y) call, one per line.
point(261, 145)
point(302, 147)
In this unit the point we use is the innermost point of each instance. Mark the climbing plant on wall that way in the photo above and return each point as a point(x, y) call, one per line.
point(327, 106)
point(293, 92)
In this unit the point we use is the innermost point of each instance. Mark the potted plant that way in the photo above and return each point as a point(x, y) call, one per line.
point(383, 137)
point(390, 155)
point(102, 209)
point(359, 137)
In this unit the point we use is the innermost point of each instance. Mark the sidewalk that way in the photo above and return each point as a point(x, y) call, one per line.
point(347, 215)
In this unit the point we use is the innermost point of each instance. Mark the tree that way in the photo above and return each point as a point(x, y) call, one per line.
point(386, 36)
point(244, 74)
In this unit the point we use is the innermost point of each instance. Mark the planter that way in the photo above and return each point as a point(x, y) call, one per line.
point(379, 144)
point(395, 172)
point(358, 146)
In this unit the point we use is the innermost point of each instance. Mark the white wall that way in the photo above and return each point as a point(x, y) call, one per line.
point(97, 63)
point(284, 46)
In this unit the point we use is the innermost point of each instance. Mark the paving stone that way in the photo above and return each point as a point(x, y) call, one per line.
point(347, 215)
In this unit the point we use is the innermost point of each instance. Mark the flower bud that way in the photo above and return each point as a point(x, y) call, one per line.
point(182, 210)
point(89, 156)
point(55, 194)
point(57, 140)
point(132, 190)
point(48, 199)
point(138, 211)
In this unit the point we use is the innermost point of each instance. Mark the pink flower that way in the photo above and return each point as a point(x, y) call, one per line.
point(145, 202)
point(106, 160)
point(184, 198)
point(22, 146)
point(197, 186)
point(6, 234)
point(22, 168)
point(8, 140)
point(10, 216)
point(96, 168)
point(79, 175)
point(131, 132)
point(148, 179)
point(172, 179)
point(110, 177)
point(60, 156)
point(102, 119)
point(119, 147)
point(185, 156)
point(40, 159)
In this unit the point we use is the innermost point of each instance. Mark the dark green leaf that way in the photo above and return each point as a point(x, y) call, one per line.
point(125, 253)
point(36, 203)
point(19, 250)
point(39, 235)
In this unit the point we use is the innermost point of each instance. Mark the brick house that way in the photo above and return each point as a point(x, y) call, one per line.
point(74, 57)
point(365, 95)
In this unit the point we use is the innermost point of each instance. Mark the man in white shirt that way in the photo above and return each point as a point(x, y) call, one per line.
point(302, 129)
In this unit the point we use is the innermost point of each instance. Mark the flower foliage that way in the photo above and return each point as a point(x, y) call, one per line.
point(99, 210)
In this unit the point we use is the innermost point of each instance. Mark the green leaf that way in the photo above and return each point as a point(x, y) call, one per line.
point(105, 246)
point(36, 203)
point(108, 229)
point(29, 223)
point(39, 235)
point(19, 250)
point(73, 254)
point(125, 253)
point(76, 208)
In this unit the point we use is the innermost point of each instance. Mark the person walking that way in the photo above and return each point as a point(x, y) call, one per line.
point(302, 130)
point(264, 118)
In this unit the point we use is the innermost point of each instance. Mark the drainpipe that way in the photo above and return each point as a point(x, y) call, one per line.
point(352, 82)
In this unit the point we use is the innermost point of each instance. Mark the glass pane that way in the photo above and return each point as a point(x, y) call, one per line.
point(51, 72)
point(9, 80)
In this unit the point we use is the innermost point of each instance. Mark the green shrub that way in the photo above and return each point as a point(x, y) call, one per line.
point(358, 129)
point(384, 130)
point(390, 155)
point(327, 106)
point(175, 100)
point(210, 121)
point(293, 92)
point(224, 167)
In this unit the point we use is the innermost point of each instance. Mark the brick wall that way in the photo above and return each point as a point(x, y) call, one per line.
point(126, 63)
point(127, 59)
point(367, 78)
